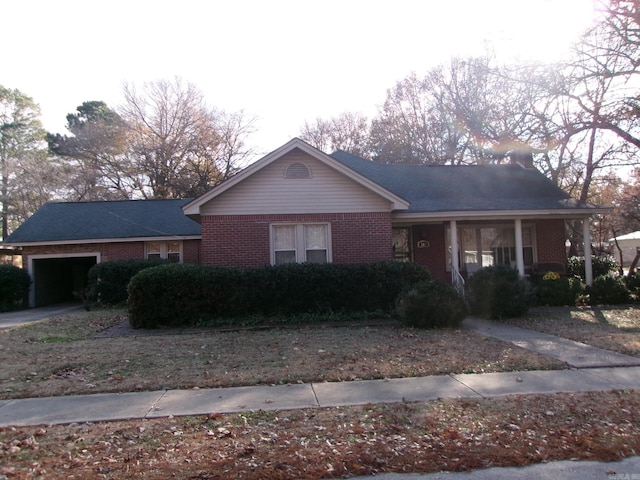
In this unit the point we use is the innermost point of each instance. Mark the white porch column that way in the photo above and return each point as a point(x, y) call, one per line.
point(519, 252)
point(455, 264)
point(586, 240)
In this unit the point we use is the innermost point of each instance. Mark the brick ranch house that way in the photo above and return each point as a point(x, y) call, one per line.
point(298, 204)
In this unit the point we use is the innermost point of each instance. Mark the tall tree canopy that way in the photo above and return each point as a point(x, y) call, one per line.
point(164, 142)
point(95, 154)
point(24, 166)
point(348, 131)
point(180, 145)
point(469, 112)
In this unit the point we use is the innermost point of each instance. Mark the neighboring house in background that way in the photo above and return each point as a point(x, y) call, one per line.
point(629, 245)
point(298, 204)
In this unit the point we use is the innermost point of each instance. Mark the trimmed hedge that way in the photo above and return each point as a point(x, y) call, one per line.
point(498, 292)
point(432, 304)
point(14, 286)
point(180, 295)
point(107, 282)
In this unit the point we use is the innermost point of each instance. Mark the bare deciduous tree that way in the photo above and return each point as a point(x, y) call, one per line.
point(180, 145)
point(348, 131)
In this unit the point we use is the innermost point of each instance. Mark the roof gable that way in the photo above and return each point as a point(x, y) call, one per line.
point(296, 183)
point(80, 221)
point(398, 203)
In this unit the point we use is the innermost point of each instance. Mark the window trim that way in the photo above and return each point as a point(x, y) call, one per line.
point(300, 250)
point(164, 249)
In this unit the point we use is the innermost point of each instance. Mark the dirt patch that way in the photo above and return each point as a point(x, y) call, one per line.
point(450, 435)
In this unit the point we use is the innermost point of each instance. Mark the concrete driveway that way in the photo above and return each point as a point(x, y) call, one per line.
point(16, 319)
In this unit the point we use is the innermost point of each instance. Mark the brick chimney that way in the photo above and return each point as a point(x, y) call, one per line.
point(524, 158)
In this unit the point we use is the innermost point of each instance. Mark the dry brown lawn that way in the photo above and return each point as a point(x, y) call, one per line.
point(62, 356)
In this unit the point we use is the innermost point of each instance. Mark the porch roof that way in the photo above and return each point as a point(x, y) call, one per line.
point(467, 188)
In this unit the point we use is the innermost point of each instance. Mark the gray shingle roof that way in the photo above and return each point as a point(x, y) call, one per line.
point(106, 220)
point(465, 187)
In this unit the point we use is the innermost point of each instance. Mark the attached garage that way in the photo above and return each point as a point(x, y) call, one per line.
point(57, 279)
point(62, 241)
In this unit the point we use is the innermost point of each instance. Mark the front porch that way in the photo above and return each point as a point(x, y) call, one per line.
point(523, 243)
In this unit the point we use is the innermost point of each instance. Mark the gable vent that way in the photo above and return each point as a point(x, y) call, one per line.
point(297, 170)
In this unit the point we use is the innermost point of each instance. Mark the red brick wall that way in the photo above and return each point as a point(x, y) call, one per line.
point(191, 251)
point(356, 238)
point(108, 251)
point(551, 236)
point(243, 240)
point(434, 257)
point(111, 251)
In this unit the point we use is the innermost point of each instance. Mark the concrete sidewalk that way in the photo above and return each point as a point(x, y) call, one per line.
point(575, 354)
point(627, 469)
point(105, 407)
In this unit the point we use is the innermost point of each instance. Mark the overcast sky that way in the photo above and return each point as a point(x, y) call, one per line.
point(282, 61)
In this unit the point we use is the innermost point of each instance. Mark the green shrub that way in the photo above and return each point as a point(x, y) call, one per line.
point(608, 289)
point(107, 281)
point(632, 282)
point(498, 292)
point(172, 295)
point(431, 304)
point(558, 291)
point(600, 266)
point(14, 286)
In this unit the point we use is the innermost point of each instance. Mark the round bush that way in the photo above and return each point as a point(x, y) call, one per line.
point(498, 292)
point(14, 285)
point(431, 304)
point(558, 291)
point(608, 290)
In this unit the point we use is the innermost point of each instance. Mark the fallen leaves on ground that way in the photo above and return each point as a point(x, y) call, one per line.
point(450, 435)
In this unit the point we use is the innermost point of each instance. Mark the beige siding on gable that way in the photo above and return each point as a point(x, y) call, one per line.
point(267, 191)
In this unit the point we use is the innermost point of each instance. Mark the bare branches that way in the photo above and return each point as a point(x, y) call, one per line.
point(348, 131)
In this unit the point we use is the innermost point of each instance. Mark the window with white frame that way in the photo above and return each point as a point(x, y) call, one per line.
point(300, 243)
point(482, 246)
point(171, 251)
